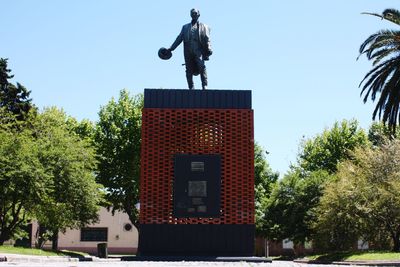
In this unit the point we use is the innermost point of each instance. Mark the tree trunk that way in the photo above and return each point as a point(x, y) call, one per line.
point(54, 245)
point(396, 242)
point(4, 236)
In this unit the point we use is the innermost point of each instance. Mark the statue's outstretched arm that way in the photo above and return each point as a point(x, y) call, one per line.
point(178, 41)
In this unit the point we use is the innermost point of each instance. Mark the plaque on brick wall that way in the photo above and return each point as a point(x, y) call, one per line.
point(197, 185)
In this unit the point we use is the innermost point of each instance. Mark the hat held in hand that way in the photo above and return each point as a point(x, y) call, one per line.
point(164, 53)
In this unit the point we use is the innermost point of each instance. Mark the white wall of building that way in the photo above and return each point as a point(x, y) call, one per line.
point(119, 240)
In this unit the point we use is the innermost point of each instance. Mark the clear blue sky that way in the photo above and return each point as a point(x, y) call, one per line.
point(298, 57)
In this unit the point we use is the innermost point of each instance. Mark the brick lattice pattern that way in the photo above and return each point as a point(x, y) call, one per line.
point(166, 132)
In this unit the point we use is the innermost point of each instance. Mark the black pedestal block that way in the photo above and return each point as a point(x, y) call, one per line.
point(210, 99)
point(196, 239)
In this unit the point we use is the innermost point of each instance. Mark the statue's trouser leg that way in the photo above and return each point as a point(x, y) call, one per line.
point(202, 69)
point(203, 76)
point(189, 78)
point(189, 63)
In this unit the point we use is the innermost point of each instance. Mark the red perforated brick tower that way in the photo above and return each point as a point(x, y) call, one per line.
point(197, 173)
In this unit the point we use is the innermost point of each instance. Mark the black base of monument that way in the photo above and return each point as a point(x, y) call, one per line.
point(196, 240)
point(196, 258)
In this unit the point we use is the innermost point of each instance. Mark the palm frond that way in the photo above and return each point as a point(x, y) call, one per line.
point(375, 71)
point(378, 79)
point(389, 101)
point(379, 55)
point(383, 99)
point(376, 83)
point(383, 48)
point(373, 14)
point(385, 39)
point(391, 105)
point(392, 15)
point(367, 42)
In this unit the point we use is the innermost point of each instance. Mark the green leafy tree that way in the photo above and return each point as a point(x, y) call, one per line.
point(47, 173)
point(384, 78)
point(5, 74)
point(337, 227)
point(334, 145)
point(118, 138)
point(291, 207)
point(15, 98)
point(72, 196)
point(84, 128)
point(265, 178)
point(23, 178)
point(289, 211)
point(378, 133)
point(364, 200)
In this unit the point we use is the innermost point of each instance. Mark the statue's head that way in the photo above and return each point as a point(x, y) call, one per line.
point(195, 14)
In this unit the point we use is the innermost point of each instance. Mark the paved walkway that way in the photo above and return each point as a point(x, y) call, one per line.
point(36, 261)
point(159, 264)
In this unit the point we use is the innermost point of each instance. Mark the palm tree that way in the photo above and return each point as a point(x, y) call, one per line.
point(383, 48)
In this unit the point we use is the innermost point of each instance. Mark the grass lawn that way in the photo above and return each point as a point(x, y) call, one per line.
point(38, 252)
point(356, 256)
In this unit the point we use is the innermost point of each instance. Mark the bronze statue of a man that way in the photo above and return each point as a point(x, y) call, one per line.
point(196, 48)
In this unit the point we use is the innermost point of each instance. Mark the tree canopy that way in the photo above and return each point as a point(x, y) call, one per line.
point(364, 201)
point(289, 209)
point(14, 98)
point(118, 138)
point(326, 150)
point(47, 172)
point(72, 196)
point(23, 178)
point(265, 179)
point(291, 206)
